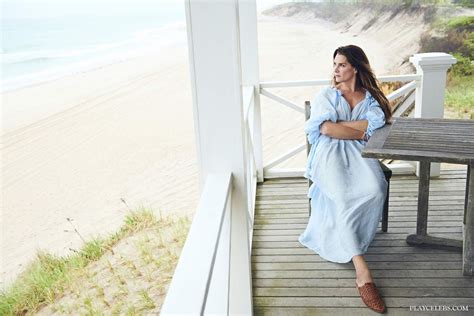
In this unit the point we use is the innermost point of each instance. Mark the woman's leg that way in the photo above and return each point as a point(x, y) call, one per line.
point(362, 270)
point(368, 292)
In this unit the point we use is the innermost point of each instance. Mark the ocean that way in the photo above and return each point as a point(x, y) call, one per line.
point(46, 39)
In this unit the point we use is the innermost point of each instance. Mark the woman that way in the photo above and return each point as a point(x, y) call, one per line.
point(348, 191)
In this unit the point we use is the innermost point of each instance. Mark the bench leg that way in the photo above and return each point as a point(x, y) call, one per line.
point(422, 212)
point(423, 198)
point(388, 175)
point(468, 231)
point(385, 210)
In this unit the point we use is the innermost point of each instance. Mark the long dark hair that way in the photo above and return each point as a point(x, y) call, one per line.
point(365, 77)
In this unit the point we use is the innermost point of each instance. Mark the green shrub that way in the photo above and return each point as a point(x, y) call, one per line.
point(464, 66)
point(461, 23)
point(467, 48)
point(464, 3)
point(459, 98)
point(458, 37)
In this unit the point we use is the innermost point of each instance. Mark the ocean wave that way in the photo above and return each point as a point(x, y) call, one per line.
point(144, 38)
point(47, 54)
point(60, 63)
point(24, 68)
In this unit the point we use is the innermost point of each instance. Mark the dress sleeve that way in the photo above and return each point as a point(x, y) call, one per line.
point(321, 111)
point(375, 117)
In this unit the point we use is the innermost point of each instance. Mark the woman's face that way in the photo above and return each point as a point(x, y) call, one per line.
point(343, 71)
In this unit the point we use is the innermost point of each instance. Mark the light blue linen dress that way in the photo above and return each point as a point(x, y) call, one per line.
point(348, 191)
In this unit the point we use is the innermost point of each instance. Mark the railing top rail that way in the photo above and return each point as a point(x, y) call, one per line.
point(322, 82)
point(402, 91)
point(401, 78)
point(191, 279)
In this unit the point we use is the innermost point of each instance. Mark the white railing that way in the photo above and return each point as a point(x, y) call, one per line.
point(248, 103)
point(405, 92)
point(200, 283)
point(201, 278)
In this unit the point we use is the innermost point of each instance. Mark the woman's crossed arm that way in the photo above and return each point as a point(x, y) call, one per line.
point(344, 129)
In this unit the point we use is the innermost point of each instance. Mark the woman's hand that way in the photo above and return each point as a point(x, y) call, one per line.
point(326, 127)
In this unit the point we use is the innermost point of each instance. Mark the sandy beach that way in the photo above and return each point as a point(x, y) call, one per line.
point(76, 147)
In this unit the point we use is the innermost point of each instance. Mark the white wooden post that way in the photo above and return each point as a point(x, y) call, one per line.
point(214, 54)
point(250, 72)
point(429, 101)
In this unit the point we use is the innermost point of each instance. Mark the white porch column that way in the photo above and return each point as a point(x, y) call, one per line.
point(214, 53)
point(250, 72)
point(429, 102)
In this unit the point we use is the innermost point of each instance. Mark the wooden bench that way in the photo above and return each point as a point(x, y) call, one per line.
point(386, 170)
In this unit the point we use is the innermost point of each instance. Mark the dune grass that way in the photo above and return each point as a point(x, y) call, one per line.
point(455, 35)
point(459, 100)
point(125, 273)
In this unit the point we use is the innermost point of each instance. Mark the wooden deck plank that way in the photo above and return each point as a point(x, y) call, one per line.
point(393, 210)
point(401, 217)
point(300, 223)
point(393, 200)
point(393, 265)
point(350, 291)
point(409, 230)
point(357, 302)
point(400, 205)
point(337, 311)
point(380, 238)
point(290, 279)
point(285, 274)
point(295, 244)
point(447, 284)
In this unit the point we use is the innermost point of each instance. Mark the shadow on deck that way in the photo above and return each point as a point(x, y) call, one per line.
point(289, 279)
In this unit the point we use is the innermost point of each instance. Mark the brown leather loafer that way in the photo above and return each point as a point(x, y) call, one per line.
point(371, 297)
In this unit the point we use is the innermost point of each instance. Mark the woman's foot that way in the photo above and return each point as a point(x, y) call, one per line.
point(366, 286)
point(362, 270)
point(371, 297)
point(363, 277)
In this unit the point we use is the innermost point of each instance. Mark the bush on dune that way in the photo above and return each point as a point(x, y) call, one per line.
point(457, 39)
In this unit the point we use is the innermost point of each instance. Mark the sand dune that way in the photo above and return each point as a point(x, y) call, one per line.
point(74, 147)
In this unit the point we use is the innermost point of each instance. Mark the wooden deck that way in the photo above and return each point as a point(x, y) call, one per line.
point(289, 279)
